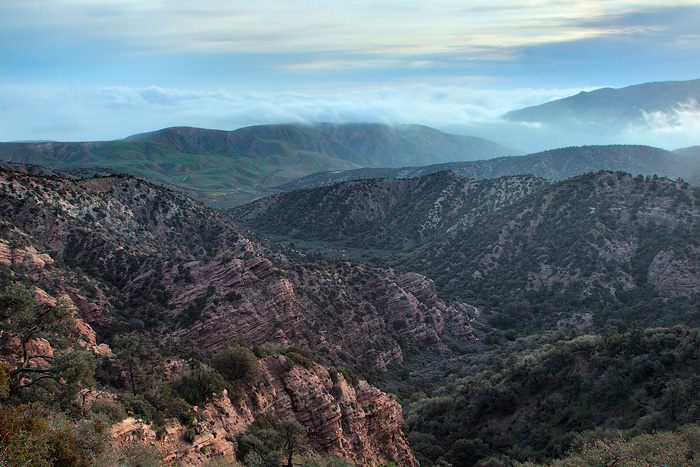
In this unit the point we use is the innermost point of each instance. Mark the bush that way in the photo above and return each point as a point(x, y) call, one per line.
point(300, 359)
point(181, 410)
point(235, 363)
point(114, 411)
point(190, 435)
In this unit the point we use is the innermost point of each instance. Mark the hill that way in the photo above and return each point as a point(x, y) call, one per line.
point(557, 164)
point(599, 248)
point(154, 285)
point(156, 261)
point(383, 213)
point(213, 163)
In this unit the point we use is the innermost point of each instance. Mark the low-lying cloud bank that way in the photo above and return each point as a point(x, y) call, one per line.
point(115, 112)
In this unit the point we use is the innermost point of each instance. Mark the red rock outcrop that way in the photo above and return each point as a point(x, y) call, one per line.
point(345, 311)
point(358, 423)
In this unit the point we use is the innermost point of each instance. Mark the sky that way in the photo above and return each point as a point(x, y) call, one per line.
point(74, 70)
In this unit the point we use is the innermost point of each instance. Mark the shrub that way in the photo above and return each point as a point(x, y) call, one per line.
point(300, 359)
point(235, 363)
point(190, 435)
point(114, 411)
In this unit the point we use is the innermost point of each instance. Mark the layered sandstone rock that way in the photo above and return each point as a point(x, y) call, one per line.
point(358, 423)
point(348, 313)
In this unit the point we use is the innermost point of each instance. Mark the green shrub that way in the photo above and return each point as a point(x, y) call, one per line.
point(300, 359)
point(199, 383)
point(114, 411)
point(235, 363)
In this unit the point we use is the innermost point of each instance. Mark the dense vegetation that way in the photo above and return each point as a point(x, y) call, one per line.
point(537, 397)
point(673, 449)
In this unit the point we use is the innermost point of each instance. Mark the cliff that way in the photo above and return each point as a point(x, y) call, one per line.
point(359, 423)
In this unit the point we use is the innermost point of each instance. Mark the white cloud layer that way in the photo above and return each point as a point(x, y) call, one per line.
point(116, 112)
point(674, 129)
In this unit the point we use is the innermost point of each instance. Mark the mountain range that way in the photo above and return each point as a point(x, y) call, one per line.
point(211, 164)
point(476, 265)
point(557, 164)
point(608, 106)
point(512, 310)
point(659, 114)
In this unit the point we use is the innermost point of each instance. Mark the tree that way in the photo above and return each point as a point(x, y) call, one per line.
point(269, 440)
point(21, 316)
point(292, 435)
point(75, 369)
point(199, 383)
point(130, 350)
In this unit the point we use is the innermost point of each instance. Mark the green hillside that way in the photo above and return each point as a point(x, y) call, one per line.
point(218, 164)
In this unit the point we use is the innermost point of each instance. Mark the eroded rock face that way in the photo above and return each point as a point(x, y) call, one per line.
point(675, 273)
point(358, 423)
point(349, 313)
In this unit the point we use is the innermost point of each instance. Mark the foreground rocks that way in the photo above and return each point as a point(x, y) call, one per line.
point(359, 423)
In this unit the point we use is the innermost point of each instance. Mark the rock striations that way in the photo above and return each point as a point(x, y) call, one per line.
point(357, 422)
point(146, 256)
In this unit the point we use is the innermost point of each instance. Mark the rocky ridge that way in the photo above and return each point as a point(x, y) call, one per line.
point(599, 241)
point(123, 267)
point(353, 420)
point(388, 213)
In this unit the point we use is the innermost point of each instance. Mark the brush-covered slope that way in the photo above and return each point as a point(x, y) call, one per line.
point(212, 161)
point(401, 145)
point(605, 246)
point(141, 257)
point(386, 213)
point(692, 151)
point(557, 164)
point(606, 105)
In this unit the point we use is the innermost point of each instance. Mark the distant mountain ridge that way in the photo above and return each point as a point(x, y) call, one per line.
point(557, 164)
point(659, 114)
point(212, 161)
point(606, 105)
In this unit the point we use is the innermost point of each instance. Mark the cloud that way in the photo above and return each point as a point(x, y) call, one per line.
point(115, 112)
point(676, 128)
